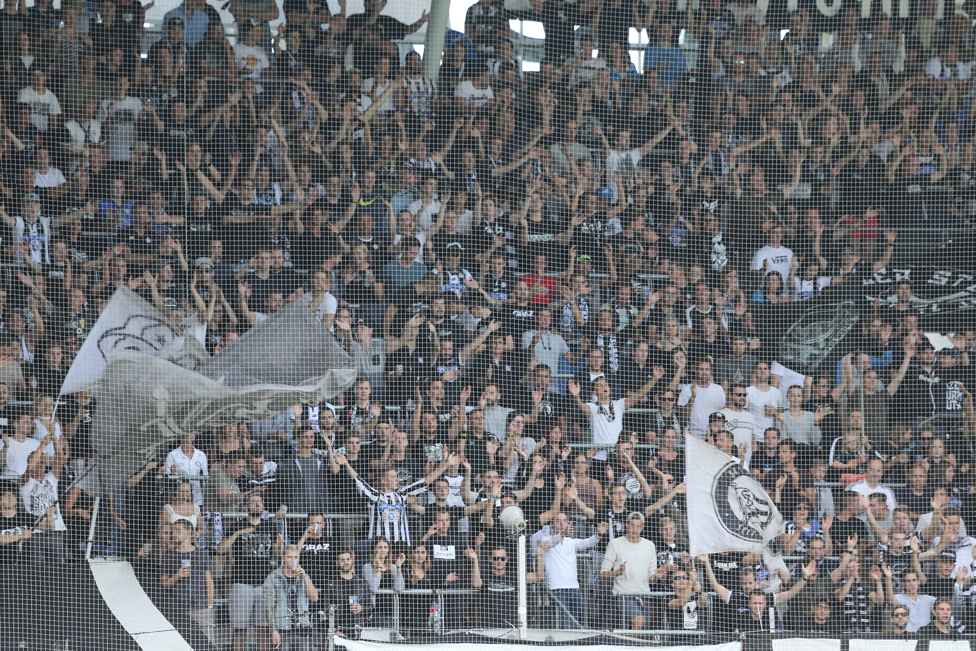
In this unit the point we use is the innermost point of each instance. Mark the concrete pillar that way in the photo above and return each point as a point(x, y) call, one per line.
point(440, 14)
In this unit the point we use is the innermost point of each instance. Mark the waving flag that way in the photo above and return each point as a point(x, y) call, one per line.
point(728, 509)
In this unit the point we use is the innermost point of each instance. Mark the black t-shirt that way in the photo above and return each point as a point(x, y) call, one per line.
point(253, 552)
point(21, 522)
point(830, 425)
point(81, 444)
point(318, 560)
point(841, 531)
point(542, 238)
point(517, 318)
point(407, 302)
point(551, 408)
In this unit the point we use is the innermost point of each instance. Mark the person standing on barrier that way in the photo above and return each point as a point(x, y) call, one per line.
point(256, 544)
point(561, 572)
point(187, 572)
point(689, 598)
point(920, 606)
point(288, 592)
point(821, 619)
point(500, 587)
point(446, 549)
point(631, 563)
point(350, 594)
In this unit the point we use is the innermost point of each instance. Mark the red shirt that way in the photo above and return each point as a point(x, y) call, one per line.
point(543, 293)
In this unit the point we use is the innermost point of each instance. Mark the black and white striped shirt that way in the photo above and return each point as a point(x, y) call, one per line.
point(388, 511)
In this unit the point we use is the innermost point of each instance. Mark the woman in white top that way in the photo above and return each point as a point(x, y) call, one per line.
point(179, 507)
point(799, 425)
point(188, 461)
point(44, 421)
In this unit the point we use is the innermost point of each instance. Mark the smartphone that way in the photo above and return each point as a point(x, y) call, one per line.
point(353, 599)
point(186, 562)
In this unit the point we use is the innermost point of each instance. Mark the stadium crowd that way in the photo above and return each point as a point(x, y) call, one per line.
point(547, 281)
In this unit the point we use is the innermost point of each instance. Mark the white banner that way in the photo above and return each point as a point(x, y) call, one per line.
point(728, 508)
point(364, 645)
point(807, 644)
point(130, 323)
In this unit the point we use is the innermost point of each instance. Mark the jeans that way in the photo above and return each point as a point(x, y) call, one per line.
point(572, 599)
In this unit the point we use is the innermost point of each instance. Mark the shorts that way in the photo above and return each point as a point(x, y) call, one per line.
point(247, 606)
point(631, 607)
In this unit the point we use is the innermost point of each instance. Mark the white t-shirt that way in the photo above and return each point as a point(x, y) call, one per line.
point(861, 487)
point(925, 520)
point(641, 559)
point(804, 289)
point(919, 612)
point(473, 96)
point(252, 59)
point(38, 495)
point(52, 179)
point(329, 305)
point(194, 465)
point(17, 455)
point(41, 106)
point(607, 422)
point(80, 134)
point(756, 403)
point(623, 162)
point(122, 130)
point(709, 400)
point(743, 427)
point(386, 107)
point(780, 260)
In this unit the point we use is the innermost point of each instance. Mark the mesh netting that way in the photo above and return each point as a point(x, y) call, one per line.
point(688, 284)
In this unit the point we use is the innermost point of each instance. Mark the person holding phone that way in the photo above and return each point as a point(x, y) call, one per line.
point(351, 595)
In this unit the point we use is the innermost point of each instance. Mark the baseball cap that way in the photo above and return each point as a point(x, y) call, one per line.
point(32, 196)
point(605, 192)
point(176, 21)
point(454, 245)
point(202, 260)
point(141, 146)
point(716, 416)
point(636, 515)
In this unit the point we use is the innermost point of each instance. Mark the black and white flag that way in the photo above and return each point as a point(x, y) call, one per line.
point(728, 509)
point(156, 385)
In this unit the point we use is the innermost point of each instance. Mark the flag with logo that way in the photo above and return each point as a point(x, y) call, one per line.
point(728, 509)
point(130, 323)
point(155, 385)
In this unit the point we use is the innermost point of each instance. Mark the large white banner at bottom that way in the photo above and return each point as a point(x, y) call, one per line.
point(808, 644)
point(364, 645)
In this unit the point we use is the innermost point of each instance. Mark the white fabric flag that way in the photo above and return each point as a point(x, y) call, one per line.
point(130, 323)
point(728, 509)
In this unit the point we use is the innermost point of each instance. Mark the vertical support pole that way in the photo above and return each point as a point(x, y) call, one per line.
point(91, 528)
point(440, 14)
point(523, 597)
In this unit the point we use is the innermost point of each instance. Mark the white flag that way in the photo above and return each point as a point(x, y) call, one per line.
point(728, 509)
point(130, 323)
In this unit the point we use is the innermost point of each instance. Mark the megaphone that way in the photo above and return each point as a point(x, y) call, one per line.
point(513, 519)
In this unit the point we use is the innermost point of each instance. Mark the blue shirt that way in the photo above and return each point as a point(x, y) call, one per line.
point(106, 208)
point(193, 29)
point(672, 58)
